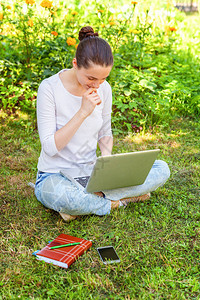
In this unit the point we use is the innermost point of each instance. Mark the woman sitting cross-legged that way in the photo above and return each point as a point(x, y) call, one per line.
point(73, 115)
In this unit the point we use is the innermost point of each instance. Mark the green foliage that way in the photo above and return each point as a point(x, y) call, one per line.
point(156, 70)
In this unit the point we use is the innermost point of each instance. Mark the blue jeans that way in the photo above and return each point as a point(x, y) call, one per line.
point(58, 193)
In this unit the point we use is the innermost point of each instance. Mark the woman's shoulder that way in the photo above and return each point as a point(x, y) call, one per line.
point(52, 81)
point(48, 86)
point(105, 87)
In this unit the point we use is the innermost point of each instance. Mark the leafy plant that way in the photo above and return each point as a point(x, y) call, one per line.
point(154, 78)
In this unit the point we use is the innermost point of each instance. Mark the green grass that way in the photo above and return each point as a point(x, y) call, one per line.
point(158, 241)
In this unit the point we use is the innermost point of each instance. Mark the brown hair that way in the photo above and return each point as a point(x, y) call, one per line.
point(92, 49)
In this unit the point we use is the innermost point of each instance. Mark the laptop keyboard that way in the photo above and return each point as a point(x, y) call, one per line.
point(82, 180)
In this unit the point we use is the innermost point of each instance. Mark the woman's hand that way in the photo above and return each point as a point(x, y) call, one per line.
point(89, 101)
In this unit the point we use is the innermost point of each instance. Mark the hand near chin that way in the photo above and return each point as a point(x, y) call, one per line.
point(89, 101)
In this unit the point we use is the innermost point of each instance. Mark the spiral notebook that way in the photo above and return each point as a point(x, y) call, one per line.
point(65, 256)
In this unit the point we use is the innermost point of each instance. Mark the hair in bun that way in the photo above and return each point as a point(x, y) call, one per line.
point(85, 32)
point(92, 49)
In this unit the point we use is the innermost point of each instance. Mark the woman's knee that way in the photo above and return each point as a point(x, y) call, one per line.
point(54, 192)
point(163, 169)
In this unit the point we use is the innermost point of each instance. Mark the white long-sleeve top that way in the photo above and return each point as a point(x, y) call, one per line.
point(56, 107)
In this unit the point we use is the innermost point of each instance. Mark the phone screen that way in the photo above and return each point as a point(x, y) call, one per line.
point(108, 254)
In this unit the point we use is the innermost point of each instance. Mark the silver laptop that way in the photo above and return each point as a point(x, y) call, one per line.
point(113, 171)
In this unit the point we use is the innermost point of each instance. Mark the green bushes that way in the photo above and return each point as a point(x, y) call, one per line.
point(156, 69)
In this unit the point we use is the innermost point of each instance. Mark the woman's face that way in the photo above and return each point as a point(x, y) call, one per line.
point(93, 76)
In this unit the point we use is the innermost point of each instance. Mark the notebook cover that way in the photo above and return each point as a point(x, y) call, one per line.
point(63, 256)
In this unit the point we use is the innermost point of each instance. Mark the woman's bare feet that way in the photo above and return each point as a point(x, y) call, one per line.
point(145, 197)
point(114, 204)
point(67, 217)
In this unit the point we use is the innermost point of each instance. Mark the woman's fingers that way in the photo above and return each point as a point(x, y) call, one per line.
point(90, 91)
point(96, 98)
point(89, 101)
point(92, 95)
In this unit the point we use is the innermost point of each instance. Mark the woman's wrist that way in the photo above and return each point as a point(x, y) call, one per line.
point(82, 114)
point(106, 153)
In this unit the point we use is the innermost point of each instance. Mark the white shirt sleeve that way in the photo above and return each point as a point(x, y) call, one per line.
point(106, 114)
point(46, 118)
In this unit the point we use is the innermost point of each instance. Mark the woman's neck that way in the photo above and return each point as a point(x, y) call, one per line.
point(70, 82)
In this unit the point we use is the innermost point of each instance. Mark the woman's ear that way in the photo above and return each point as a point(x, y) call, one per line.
point(74, 62)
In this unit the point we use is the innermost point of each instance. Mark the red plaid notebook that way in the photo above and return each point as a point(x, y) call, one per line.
point(63, 257)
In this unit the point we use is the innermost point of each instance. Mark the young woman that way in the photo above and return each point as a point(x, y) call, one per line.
point(73, 115)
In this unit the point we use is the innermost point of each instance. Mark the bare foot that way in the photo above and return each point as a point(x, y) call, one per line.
point(145, 197)
point(67, 217)
point(114, 204)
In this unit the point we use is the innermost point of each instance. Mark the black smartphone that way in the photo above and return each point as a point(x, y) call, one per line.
point(108, 255)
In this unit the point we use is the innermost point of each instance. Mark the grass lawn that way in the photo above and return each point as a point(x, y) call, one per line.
point(158, 241)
